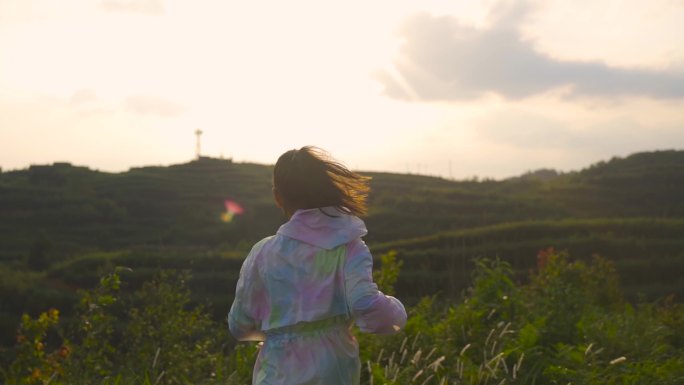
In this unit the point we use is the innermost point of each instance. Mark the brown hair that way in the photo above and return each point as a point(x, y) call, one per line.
point(310, 178)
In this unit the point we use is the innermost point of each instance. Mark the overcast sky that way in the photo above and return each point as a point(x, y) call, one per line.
point(451, 88)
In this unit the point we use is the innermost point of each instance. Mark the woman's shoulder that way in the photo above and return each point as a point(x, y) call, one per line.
point(261, 244)
point(251, 261)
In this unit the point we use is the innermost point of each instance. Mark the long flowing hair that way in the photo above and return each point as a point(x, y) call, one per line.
point(310, 178)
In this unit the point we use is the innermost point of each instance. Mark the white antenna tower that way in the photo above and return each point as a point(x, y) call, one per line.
point(199, 134)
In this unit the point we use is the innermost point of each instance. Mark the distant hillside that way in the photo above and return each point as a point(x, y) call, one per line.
point(648, 253)
point(63, 226)
point(80, 210)
point(642, 185)
point(75, 210)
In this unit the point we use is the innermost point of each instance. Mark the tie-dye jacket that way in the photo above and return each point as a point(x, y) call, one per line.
point(300, 290)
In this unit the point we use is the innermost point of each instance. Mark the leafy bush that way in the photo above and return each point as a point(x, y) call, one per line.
point(148, 337)
point(568, 324)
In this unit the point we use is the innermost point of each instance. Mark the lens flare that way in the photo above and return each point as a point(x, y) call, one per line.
point(232, 209)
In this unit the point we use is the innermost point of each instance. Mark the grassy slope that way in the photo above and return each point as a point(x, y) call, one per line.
point(626, 209)
point(82, 210)
point(648, 252)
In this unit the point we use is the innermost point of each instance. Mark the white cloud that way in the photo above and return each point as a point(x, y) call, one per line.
point(443, 59)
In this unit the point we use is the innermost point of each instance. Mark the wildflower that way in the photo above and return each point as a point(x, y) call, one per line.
point(543, 256)
point(36, 373)
point(63, 351)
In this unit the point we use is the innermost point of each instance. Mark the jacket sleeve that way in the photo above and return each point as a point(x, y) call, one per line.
point(373, 311)
point(243, 319)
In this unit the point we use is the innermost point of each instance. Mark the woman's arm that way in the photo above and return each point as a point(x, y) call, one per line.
point(373, 311)
point(249, 297)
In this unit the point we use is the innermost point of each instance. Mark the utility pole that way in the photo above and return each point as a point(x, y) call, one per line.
point(199, 134)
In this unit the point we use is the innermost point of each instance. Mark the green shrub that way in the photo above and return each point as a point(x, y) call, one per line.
point(568, 324)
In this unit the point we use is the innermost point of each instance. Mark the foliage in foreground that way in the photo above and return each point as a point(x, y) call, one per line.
point(569, 324)
point(148, 337)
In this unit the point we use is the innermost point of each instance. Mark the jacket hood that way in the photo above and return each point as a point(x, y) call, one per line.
point(324, 227)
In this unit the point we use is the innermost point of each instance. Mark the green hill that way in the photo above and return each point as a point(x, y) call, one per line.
point(61, 225)
point(648, 253)
point(81, 210)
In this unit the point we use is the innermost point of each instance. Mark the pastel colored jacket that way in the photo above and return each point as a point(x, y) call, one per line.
point(300, 290)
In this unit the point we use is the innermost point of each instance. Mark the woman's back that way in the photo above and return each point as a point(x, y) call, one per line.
point(300, 291)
